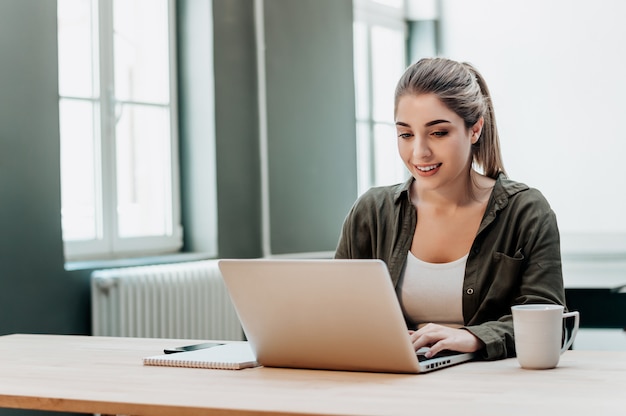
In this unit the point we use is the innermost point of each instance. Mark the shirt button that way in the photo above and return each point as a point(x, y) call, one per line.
point(470, 291)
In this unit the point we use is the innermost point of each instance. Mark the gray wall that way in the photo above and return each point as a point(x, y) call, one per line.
point(311, 122)
point(310, 125)
point(236, 129)
point(37, 295)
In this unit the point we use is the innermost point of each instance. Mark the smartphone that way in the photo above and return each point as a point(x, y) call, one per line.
point(192, 347)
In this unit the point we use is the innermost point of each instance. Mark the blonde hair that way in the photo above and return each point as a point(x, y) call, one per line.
point(462, 89)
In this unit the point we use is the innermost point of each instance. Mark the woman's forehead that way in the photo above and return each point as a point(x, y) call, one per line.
point(423, 108)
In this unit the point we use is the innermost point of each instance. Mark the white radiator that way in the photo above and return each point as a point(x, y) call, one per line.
point(178, 300)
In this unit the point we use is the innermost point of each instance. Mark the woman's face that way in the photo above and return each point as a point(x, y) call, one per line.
point(433, 141)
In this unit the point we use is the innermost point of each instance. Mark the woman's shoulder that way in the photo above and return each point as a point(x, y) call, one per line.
point(382, 195)
point(379, 202)
point(519, 193)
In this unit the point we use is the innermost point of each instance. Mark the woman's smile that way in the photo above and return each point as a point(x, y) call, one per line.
point(427, 170)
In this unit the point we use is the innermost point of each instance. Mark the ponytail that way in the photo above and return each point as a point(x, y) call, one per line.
point(486, 151)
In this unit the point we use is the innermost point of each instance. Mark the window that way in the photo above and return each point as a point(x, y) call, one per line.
point(118, 125)
point(379, 61)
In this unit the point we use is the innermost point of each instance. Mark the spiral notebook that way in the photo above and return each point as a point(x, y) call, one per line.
point(229, 356)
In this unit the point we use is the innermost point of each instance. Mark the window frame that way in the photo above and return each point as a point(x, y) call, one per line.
point(372, 13)
point(108, 244)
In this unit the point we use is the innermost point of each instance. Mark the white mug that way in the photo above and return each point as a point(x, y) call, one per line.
point(538, 329)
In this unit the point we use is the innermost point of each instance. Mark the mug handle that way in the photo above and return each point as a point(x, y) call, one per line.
point(570, 337)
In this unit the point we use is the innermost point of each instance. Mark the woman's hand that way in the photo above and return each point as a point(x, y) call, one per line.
point(439, 338)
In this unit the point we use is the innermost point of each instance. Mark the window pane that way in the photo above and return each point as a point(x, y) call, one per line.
point(361, 71)
point(76, 61)
point(78, 190)
point(143, 171)
point(364, 155)
point(388, 59)
point(398, 4)
point(141, 50)
point(389, 168)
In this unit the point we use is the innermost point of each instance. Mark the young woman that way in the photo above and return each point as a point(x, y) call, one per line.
point(462, 242)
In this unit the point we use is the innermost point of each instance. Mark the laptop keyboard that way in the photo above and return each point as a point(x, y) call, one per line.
point(421, 357)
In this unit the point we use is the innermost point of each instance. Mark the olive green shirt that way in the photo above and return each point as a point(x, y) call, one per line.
point(515, 257)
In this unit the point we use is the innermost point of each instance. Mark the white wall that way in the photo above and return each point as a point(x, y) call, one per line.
point(557, 73)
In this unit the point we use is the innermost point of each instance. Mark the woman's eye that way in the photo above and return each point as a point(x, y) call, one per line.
point(404, 135)
point(439, 133)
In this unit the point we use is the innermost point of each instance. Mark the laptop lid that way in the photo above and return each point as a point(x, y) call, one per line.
point(324, 314)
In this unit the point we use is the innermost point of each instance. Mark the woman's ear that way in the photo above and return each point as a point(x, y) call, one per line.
point(477, 128)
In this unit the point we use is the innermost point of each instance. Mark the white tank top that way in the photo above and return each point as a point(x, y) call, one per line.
point(432, 292)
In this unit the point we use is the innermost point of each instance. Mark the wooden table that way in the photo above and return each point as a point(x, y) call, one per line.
point(105, 375)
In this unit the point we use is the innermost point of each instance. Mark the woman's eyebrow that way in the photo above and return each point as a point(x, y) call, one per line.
point(432, 123)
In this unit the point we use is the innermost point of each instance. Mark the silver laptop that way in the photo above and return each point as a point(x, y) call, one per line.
point(325, 314)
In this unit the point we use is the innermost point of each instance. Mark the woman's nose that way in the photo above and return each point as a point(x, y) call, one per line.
point(420, 148)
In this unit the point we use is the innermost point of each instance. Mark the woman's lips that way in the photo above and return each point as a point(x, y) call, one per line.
point(427, 170)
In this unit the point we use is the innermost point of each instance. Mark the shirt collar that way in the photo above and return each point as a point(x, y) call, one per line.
point(504, 189)
point(402, 190)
